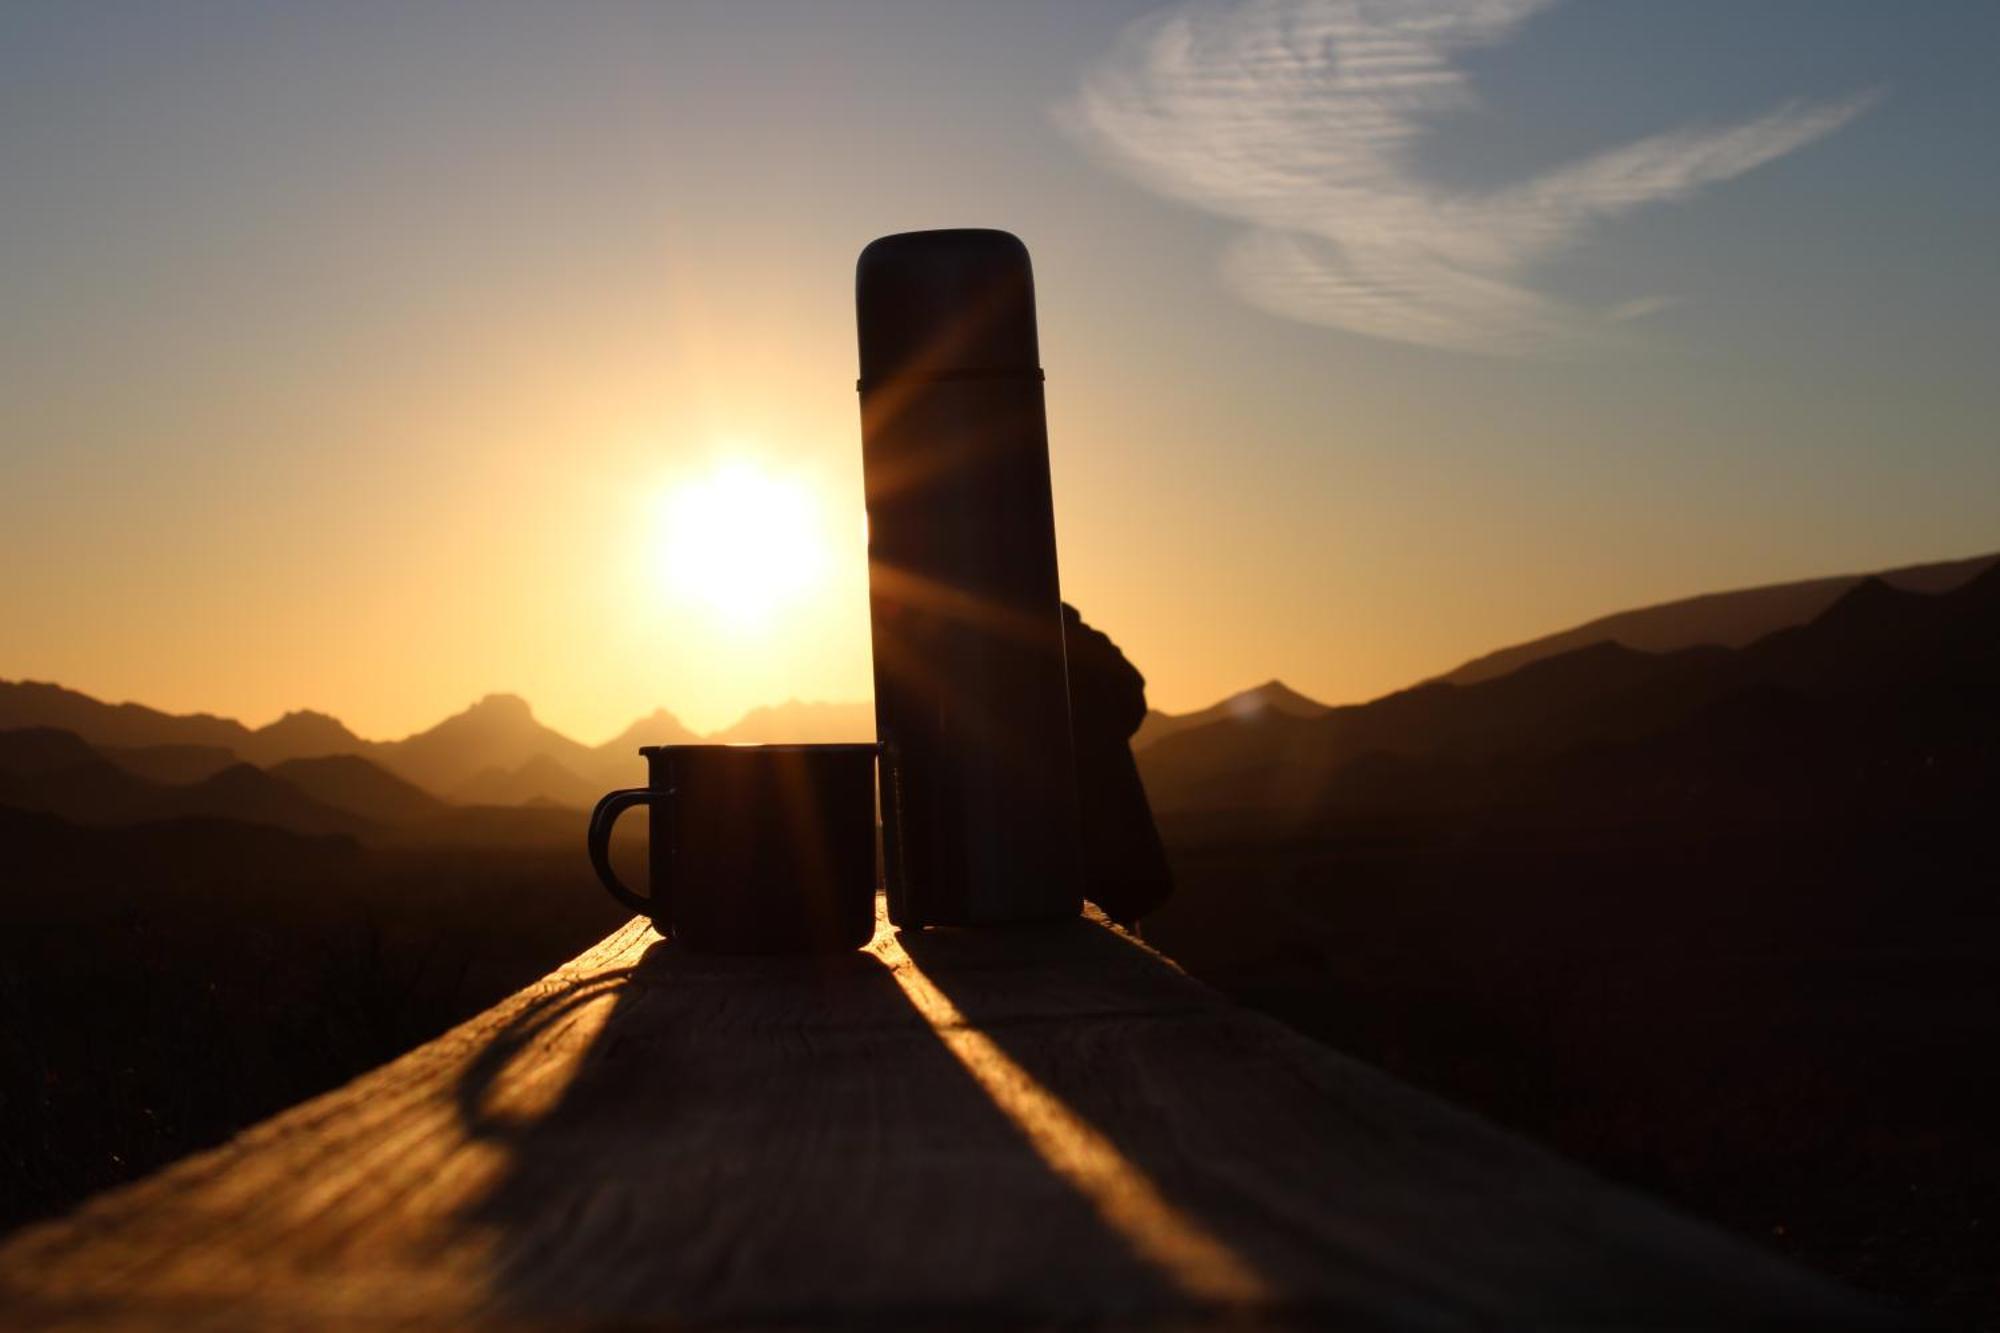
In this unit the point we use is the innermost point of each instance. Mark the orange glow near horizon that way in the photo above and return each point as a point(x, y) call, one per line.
point(363, 362)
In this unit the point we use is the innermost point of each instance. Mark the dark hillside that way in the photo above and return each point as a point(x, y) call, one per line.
point(1724, 923)
point(31, 703)
point(1726, 619)
point(165, 984)
point(174, 765)
point(351, 783)
point(45, 769)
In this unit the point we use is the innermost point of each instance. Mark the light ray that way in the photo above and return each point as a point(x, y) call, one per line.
point(1194, 1259)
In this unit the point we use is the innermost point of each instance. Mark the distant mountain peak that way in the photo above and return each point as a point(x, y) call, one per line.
point(801, 721)
point(1871, 591)
point(300, 734)
point(1272, 698)
point(298, 716)
point(658, 727)
point(540, 779)
point(28, 751)
point(238, 777)
point(1274, 693)
point(493, 713)
point(307, 722)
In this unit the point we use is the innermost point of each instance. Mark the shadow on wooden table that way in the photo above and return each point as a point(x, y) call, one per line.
point(1020, 1126)
point(1257, 1170)
point(780, 1140)
point(1024, 1128)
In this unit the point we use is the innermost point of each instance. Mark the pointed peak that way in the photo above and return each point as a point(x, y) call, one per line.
point(1870, 596)
point(306, 720)
point(659, 727)
point(1276, 696)
point(658, 717)
point(308, 715)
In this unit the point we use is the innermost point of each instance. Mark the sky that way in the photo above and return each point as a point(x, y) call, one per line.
point(372, 358)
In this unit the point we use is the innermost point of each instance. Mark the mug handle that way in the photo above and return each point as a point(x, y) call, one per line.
point(602, 818)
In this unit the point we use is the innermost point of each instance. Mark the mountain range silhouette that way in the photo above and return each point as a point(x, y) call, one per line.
point(45, 769)
point(494, 753)
point(1891, 673)
point(1269, 748)
point(1730, 619)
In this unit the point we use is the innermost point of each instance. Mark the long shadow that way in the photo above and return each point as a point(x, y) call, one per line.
point(768, 1141)
point(1130, 1049)
point(1355, 1198)
point(1017, 1125)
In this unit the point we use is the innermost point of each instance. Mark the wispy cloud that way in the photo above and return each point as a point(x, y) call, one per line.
point(1300, 118)
point(1640, 307)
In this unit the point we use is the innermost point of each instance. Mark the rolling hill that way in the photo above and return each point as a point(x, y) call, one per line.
point(1902, 678)
point(31, 703)
point(537, 781)
point(45, 769)
point(1730, 619)
point(172, 764)
point(349, 782)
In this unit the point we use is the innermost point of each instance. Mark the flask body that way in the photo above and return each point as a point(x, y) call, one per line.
point(979, 800)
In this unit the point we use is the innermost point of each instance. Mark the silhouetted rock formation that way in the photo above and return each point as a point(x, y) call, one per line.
point(1125, 868)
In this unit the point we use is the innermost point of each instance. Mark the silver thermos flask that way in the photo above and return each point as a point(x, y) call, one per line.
point(978, 777)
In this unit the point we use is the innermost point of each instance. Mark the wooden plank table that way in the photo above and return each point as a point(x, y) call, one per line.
point(1037, 1126)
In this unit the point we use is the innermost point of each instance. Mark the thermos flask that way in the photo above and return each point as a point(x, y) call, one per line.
point(979, 802)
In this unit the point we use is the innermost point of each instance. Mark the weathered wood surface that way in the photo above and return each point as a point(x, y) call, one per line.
point(1025, 1127)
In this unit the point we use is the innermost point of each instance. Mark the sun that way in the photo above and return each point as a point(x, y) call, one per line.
point(742, 542)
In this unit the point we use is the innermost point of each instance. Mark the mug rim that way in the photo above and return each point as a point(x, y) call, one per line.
point(782, 747)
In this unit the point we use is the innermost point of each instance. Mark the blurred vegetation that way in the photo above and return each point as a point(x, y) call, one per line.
point(164, 985)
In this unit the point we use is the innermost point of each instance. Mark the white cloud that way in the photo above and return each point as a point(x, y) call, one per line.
point(1640, 307)
point(1299, 117)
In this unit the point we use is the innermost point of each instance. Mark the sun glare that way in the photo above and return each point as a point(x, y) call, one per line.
point(742, 542)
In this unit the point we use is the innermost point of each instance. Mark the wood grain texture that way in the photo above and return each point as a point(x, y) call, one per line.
point(1038, 1126)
